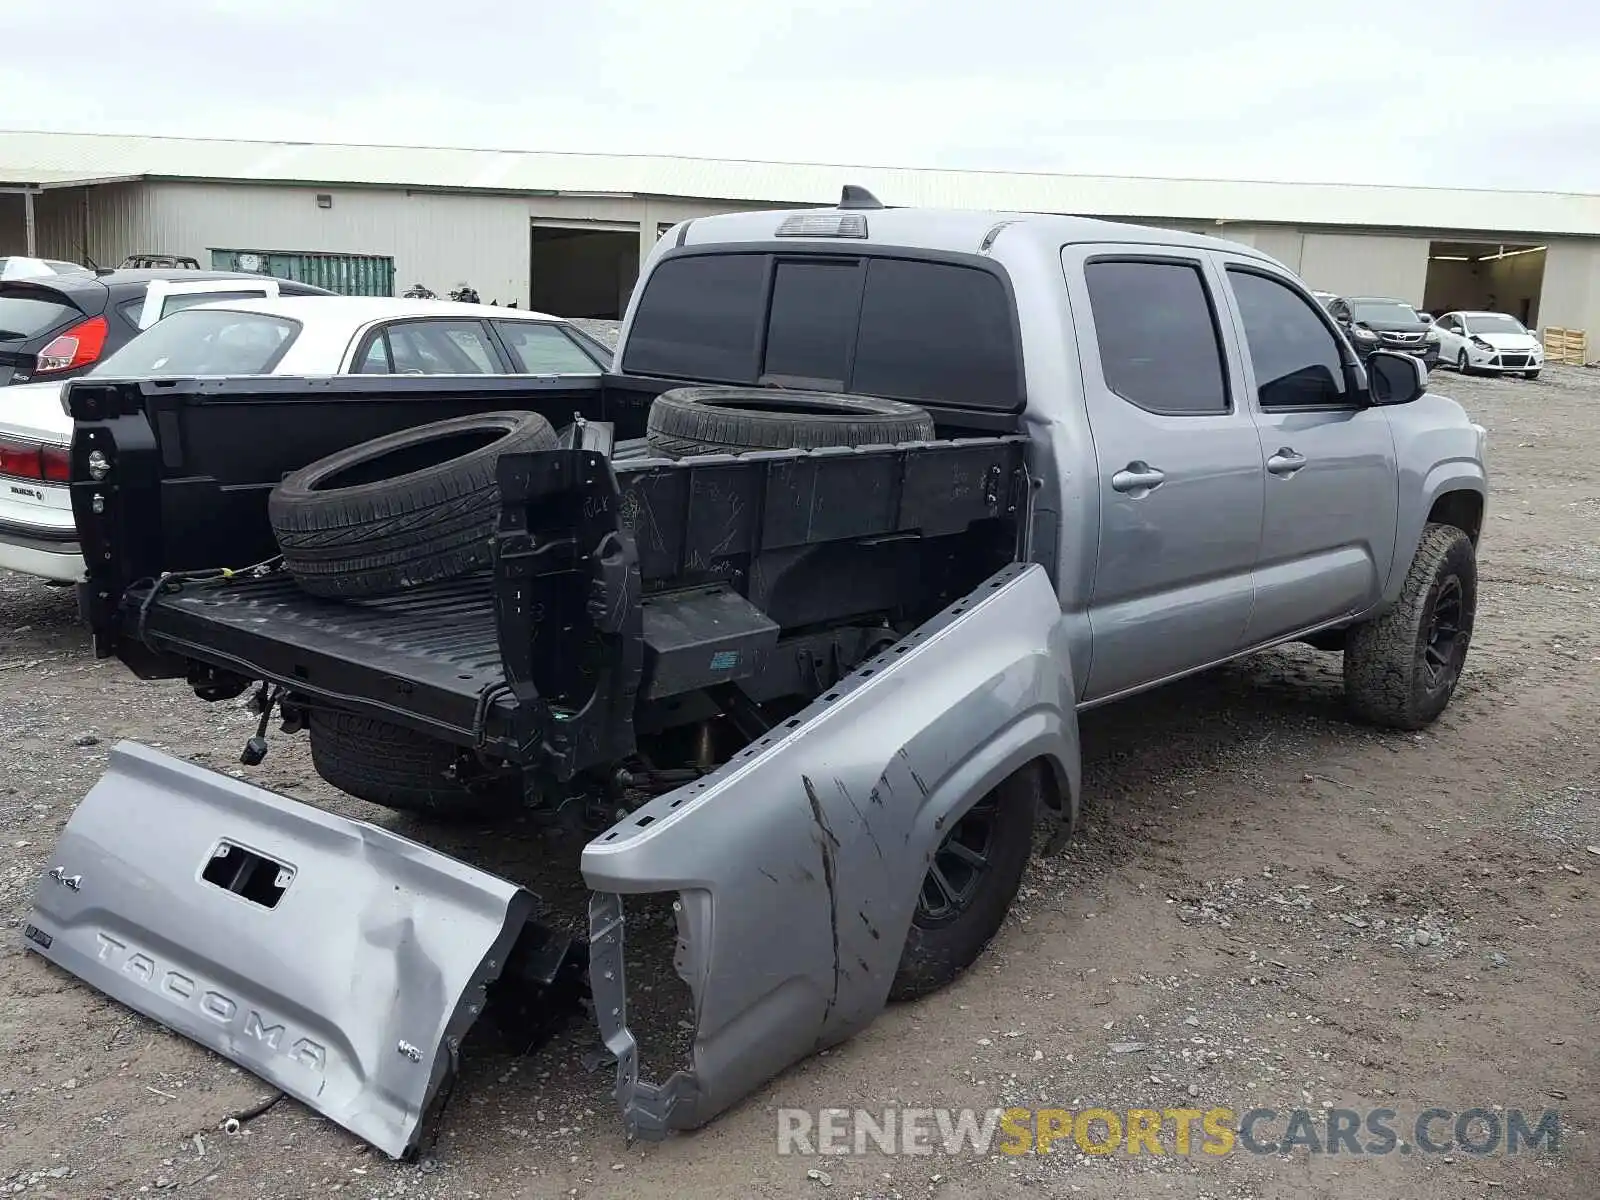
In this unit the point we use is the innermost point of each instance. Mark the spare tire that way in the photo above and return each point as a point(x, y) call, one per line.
point(399, 511)
point(399, 769)
point(703, 420)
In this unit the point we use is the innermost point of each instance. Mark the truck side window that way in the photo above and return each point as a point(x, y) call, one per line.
point(1296, 357)
point(1157, 334)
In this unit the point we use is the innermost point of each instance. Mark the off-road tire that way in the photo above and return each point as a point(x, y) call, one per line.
point(399, 769)
point(1386, 680)
point(935, 954)
point(380, 533)
point(711, 420)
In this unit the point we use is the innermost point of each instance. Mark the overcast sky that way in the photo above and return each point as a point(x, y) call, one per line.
point(1465, 94)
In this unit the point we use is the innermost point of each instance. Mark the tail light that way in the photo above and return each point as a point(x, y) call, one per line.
point(24, 460)
point(77, 347)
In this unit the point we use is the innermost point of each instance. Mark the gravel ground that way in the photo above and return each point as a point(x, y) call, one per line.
point(1267, 906)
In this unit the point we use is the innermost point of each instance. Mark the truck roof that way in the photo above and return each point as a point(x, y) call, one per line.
point(961, 231)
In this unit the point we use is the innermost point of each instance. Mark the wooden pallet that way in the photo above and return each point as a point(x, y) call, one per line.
point(1569, 346)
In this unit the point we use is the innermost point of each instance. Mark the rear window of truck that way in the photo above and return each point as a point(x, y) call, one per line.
point(904, 328)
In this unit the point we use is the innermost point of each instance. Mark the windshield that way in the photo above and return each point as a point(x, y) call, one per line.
point(1494, 323)
point(1387, 312)
point(199, 341)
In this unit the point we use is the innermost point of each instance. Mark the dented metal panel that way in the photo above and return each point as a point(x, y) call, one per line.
point(797, 865)
point(338, 961)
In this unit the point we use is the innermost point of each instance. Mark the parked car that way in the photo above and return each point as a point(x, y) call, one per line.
point(175, 261)
point(1383, 323)
point(60, 325)
point(1489, 341)
point(1325, 298)
point(1013, 467)
point(303, 335)
point(19, 267)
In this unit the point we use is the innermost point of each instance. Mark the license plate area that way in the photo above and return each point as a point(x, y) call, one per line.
point(247, 874)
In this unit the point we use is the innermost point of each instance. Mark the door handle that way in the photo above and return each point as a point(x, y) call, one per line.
point(1137, 477)
point(1286, 461)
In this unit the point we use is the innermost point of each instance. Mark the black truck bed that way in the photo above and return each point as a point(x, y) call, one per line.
point(768, 548)
point(791, 540)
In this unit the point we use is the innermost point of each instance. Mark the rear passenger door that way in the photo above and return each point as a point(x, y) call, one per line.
point(1332, 492)
point(1178, 467)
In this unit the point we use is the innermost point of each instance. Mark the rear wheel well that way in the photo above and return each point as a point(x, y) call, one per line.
point(1464, 510)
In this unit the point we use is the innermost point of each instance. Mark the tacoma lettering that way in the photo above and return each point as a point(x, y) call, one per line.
point(215, 1006)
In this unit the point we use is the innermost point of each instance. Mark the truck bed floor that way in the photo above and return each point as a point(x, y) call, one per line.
point(435, 648)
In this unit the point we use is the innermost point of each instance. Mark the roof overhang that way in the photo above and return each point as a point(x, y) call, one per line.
point(45, 181)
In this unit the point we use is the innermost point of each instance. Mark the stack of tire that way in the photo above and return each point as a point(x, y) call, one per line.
point(420, 507)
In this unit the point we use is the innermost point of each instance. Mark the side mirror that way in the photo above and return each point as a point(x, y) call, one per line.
point(1395, 378)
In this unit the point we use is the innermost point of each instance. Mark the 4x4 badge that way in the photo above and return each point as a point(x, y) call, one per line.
point(73, 882)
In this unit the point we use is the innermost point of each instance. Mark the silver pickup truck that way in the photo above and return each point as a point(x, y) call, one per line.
point(803, 602)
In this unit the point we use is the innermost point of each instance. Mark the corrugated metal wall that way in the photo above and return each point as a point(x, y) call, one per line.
point(438, 240)
point(105, 224)
point(12, 227)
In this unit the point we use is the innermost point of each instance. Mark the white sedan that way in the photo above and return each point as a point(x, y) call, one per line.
point(301, 335)
point(1488, 341)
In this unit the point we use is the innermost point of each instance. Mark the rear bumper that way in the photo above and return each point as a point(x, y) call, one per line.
point(44, 553)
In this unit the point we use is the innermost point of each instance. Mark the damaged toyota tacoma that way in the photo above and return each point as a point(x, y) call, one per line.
point(794, 610)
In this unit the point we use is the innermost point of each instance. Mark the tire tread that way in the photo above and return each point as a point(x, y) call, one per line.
point(378, 539)
point(1380, 655)
point(392, 766)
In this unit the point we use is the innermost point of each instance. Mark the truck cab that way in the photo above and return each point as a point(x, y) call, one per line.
point(1213, 471)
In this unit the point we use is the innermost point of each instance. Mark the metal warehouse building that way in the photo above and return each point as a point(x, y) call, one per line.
point(566, 232)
